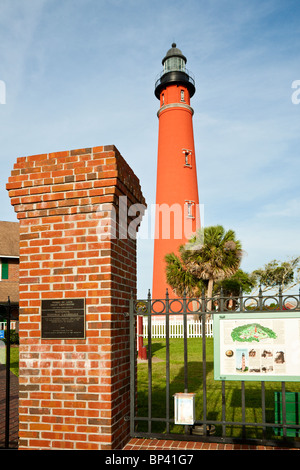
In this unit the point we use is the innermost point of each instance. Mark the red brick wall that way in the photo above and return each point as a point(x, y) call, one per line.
point(74, 394)
point(13, 270)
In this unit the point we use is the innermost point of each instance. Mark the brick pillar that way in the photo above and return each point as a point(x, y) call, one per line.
point(74, 393)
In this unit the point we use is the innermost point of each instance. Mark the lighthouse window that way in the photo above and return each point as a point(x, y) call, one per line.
point(187, 157)
point(182, 95)
point(190, 209)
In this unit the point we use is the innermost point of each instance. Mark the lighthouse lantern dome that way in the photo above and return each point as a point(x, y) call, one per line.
point(174, 72)
point(174, 60)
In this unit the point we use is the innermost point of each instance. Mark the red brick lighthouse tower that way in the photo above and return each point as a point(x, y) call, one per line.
point(177, 205)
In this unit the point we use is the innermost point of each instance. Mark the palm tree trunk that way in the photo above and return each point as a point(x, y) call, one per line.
point(209, 295)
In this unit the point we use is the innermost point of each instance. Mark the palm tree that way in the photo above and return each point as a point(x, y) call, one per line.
point(211, 255)
point(180, 279)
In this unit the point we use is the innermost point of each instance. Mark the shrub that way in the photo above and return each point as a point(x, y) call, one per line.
point(14, 337)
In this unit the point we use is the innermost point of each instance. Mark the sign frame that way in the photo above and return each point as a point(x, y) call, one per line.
point(64, 311)
point(256, 317)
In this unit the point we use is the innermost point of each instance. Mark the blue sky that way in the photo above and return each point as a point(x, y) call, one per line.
point(81, 73)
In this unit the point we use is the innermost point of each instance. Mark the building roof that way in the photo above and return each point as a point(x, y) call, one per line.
point(9, 239)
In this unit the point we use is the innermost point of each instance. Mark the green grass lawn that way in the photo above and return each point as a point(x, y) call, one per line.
point(195, 384)
point(14, 359)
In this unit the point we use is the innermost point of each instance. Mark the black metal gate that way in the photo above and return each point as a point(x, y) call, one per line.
point(8, 312)
point(268, 402)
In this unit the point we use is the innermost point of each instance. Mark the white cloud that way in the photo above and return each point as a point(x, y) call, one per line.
point(285, 210)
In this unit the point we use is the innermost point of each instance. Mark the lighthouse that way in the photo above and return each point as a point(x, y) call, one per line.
point(177, 214)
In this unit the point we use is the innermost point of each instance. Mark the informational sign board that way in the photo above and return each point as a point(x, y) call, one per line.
point(257, 346)
point(1, 334)
point(63, 319)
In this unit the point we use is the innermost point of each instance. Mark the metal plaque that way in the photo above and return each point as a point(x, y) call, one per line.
point(63, 319)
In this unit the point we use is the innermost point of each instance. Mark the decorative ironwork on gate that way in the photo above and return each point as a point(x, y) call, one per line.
point(224, 421)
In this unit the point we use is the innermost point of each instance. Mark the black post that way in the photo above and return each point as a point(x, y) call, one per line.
point(149, 309)
point(133, 348)
point(185, 344)
point(167, 362)
point(280, 297)
point(203, 320)
point(260, 298)
point(241, 300)
point(7, 410)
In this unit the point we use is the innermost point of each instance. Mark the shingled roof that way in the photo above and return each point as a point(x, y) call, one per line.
point(9, 239)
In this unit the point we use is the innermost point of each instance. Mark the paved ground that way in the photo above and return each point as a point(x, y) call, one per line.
point(155, 444)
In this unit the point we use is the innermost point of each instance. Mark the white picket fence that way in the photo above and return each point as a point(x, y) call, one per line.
point(194, 328)
point(3, 325)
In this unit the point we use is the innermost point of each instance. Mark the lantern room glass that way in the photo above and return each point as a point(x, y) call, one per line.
point(174, 63)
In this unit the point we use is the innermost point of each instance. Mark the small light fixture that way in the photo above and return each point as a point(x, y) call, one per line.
point(184, 408)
